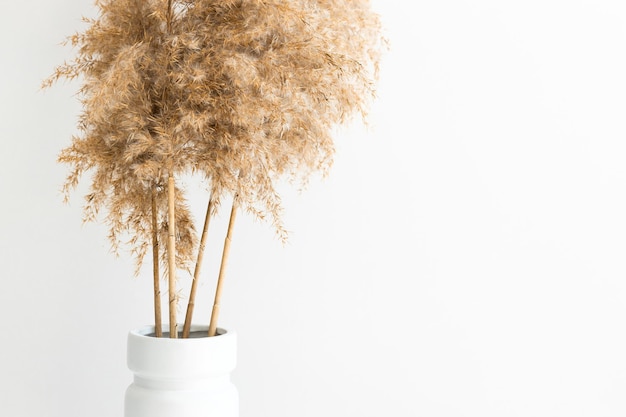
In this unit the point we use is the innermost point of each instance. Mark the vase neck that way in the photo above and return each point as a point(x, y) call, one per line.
point(182, 384)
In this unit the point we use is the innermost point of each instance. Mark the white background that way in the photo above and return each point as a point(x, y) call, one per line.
point(466, 256)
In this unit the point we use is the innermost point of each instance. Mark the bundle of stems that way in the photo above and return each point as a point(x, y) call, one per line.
point(240, 92)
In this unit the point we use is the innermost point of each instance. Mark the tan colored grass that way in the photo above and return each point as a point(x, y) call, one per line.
point(239, 92)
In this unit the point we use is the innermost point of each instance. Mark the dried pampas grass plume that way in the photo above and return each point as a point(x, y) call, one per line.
point(240, 92)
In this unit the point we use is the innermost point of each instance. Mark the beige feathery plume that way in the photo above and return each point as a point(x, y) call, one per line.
point(241, 92)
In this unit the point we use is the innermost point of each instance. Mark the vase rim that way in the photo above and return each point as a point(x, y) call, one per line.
point(163, 357)
point(148, 331)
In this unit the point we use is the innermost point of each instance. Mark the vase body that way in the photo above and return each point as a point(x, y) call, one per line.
point(181, 377)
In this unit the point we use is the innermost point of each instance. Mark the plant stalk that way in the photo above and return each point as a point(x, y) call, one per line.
point(171, 254)
point(155, 268)
point(220, 279)
point(171, 211)
point(169, 16)
point(196, 272)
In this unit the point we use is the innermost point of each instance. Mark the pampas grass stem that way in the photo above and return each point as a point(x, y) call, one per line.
point(171, 254)
point(155, 268)
point(220, 279)
point(196, 272)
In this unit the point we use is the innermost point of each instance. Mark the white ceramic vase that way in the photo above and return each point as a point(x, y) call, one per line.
point(181, 377)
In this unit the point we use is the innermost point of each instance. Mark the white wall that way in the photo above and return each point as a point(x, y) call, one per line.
point(464, 258)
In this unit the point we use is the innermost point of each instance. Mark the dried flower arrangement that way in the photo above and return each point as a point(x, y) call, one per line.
point(239, 92)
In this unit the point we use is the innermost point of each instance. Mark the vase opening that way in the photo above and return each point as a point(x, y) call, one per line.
point(198, 332)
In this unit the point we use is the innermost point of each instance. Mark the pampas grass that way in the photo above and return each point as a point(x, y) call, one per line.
point(238, 92)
